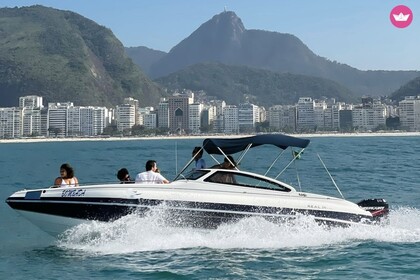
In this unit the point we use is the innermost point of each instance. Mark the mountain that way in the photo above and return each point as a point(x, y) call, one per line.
point(224, 39)
point(412, 88)
point(63, 56)
point(236, 84)
point(144, 57)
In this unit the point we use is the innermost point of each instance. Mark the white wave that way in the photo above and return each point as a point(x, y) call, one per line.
point(134, 234)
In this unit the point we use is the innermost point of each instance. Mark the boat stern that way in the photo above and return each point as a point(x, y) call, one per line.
point(378, 207)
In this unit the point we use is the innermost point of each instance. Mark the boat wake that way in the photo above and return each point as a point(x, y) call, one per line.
point(134, 234)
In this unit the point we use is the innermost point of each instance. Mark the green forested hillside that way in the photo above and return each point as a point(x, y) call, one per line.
point(412, 88)
point(144, 57)
point(239, 83)
point(63, 56)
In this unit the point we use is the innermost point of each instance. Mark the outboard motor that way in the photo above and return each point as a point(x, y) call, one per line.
point(377, 206)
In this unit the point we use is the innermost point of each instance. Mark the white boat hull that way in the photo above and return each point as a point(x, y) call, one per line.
point(185, 203)
point(51, 224)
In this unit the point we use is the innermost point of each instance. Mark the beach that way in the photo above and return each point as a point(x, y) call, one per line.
point(310, 135)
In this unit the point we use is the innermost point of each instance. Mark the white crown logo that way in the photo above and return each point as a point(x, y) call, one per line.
point(401, 17)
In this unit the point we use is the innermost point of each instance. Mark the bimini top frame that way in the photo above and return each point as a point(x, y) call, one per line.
point(225, 146)
point(234, 145)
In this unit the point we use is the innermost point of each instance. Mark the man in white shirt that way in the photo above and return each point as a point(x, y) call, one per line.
point(151, 175)
point(197, 154)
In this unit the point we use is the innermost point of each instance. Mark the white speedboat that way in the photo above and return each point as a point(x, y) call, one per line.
point(199, 198)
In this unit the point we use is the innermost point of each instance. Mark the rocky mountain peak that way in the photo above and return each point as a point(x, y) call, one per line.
point(227, 23)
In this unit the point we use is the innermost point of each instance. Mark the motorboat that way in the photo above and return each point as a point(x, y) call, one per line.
point(199, 198)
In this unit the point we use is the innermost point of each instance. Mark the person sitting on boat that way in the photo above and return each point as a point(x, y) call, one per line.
point(67, 178)
point(197, 153)
point(150, 175)
point(225, 177)
point(228, 163)
point(124, 176)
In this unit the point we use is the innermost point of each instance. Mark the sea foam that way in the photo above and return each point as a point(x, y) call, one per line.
point(135, 234)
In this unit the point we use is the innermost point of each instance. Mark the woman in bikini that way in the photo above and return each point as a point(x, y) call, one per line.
point(67, 178)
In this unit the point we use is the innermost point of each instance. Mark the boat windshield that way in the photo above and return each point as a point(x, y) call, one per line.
point(244, 180)
point(193, 175)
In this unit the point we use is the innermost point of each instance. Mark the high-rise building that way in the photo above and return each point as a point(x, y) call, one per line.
point(31, 107)
point(31, 121)
point(319, 114)
point(57, 119)
point(44, 122)
point(262, 114)
point(282, 117)
point(219, 105)
point(205, 120)
point(73, 121)
point(305, 114)
point(150, 120)
point(409, 109)
point(247, 117)
point(125, 116)
point(215, 115)
point(10, 123)
point(194, 114)
point(92, 120)
point(230, 119)
point(369, 116)
point(163, 113)
point(135, 103)
point(346, 119)
point(335, 115)
point(148, 117)
point(178, 112)
point(99, 120)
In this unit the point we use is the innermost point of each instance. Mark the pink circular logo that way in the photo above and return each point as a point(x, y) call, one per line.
point(401, 16)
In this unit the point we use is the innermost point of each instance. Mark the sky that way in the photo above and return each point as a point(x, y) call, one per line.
point(355, 32)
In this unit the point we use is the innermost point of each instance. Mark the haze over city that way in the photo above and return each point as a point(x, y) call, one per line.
point(357, 33)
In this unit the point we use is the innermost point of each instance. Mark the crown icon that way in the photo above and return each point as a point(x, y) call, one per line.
point(401, 17)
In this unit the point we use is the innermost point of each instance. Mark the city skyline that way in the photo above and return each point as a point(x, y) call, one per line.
point(184, 115)
point(357, 33)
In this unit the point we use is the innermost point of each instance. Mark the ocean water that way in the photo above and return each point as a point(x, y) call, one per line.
point(141, 248)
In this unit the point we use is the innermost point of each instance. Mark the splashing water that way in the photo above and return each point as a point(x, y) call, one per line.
point(135, 234)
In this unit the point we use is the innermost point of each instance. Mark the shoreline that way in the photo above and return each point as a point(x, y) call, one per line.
point(311, 135)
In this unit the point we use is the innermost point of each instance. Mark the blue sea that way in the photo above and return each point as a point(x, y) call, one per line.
point(141, 248)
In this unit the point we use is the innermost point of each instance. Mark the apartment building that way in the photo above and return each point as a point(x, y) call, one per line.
point(305, 114)
point(148, 117)
point(125, 116)
point(163, 113)
point(282, 117)
point(215, 115)
point(409, 111)
point(230, 119)
point(10, 123)
point(30, 107)
point(248, 116)
point(57, 120)
point(369, 116)
point(194, 115)
point(319, 113)
point(135, 103)
point(150, 120)
point(73, 121)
